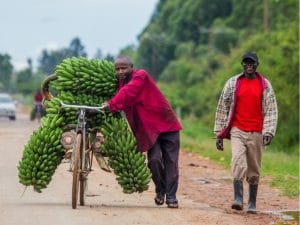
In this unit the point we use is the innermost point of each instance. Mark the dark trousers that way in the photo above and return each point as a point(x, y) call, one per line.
point(163, 163)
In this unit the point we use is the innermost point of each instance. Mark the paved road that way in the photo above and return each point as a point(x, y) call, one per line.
point(106, 204)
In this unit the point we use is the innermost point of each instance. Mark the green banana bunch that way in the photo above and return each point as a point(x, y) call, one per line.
point(78, 81)
point(123, 156)
point(81, 81)
point(81, 75)
point(42, 154)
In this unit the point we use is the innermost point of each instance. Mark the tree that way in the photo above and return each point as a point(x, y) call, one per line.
point(76, 49)
point(6, 69)
point(130, 51)
point(24, 81)
point(109, 57)
point(98, 54)
point(49, 59)
point(175, 22)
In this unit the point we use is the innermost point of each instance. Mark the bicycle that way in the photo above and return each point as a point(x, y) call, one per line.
point(84, 145)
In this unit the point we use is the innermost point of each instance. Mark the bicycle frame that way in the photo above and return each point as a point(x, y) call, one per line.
point(81, 124)
point(84, 166)
point(81, 127)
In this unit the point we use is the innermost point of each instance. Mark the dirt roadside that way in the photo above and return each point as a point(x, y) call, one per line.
point(205, 182)
point(205, 194)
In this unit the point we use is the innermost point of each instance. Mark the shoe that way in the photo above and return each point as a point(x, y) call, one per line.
point(238, 195)
point(159, 200)
point(237, 206)
point(173, 204)
point(252, 198)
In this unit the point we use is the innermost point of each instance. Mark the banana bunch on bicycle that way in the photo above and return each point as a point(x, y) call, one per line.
point(81, 81)
point(128, 163)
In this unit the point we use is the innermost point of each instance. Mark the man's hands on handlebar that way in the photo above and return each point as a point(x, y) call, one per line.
point(105, 105)
point(93, 112)
point(90, 111)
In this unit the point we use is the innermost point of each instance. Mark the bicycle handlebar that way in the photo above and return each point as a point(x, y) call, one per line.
point(98, 108)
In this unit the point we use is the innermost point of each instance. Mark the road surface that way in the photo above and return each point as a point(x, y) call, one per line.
point(204, 193)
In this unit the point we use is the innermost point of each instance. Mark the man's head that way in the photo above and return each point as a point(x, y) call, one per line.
point(123, 66)
point(250, 63)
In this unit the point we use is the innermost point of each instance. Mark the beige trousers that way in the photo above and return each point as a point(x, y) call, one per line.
point(246, 155)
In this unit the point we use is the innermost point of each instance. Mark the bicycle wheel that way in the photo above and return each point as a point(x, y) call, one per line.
point(82, 185)
point(76, 170)
point(83, 176)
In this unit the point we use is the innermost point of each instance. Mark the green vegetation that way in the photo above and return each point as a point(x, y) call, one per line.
point(282, 168)
point(192, 47)
point(26, 81)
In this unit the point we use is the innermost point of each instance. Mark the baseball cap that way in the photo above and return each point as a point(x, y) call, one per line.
point(250, 55)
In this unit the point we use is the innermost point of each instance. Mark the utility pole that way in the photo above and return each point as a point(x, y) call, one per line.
point(210, 33)
point(266, 16)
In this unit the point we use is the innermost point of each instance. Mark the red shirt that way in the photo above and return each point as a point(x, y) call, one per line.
point(147, 110)
point(248, 113)
point(38, 97)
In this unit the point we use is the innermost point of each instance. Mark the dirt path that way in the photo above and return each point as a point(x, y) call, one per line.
point(206, 182)
point(205, 194)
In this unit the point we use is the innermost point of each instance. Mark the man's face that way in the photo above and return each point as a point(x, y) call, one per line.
point(249, 66)
point(123, 69)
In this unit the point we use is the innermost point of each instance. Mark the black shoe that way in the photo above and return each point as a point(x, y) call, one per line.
point(251, 210)
point(238, 195)
point(237, 206)
point(173, 204)
point(159, 200)
point(252, 198)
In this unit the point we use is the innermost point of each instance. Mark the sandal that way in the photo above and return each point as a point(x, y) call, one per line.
point(159, 200)
point(173, 205)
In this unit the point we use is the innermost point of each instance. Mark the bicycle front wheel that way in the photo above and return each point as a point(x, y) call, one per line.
point(85, 166)
point(76, 169)
point(82, 184)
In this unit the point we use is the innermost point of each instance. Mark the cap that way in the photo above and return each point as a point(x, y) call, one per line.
point(250, 55)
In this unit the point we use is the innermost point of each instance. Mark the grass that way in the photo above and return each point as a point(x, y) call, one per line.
point(284, 170)
point(281, 167)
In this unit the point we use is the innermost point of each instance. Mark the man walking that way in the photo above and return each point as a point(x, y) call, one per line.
point(154, 125)
point(246, 114)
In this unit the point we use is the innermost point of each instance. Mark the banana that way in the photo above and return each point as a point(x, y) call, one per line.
point(88, 82)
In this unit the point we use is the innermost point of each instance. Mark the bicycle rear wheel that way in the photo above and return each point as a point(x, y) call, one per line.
point(76, 170)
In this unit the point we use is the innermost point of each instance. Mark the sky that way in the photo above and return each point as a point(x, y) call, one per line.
point(29, 26)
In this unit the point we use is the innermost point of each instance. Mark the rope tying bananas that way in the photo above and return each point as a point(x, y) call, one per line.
point(82, 81)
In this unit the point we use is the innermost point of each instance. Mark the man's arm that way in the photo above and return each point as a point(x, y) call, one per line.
point(223, 108)
point(270, 111)
point(128, 94)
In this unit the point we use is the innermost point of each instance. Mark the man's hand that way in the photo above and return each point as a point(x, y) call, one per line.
point(105, 105)
point(267, 138)
point(219, 144)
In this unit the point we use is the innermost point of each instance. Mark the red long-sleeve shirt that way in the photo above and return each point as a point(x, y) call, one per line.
point(248, 112)
point(148, 112)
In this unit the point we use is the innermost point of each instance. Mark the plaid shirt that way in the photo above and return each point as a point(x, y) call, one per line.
point(227, 102)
